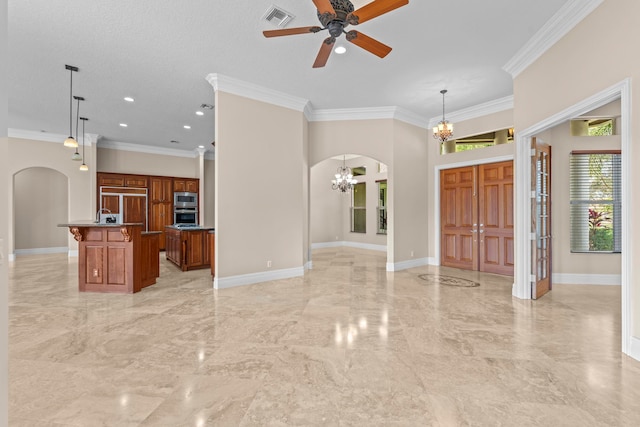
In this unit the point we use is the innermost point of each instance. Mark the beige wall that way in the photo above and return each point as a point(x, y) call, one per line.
point(262, 219)
point(40, 202)
point(121, 161)
point(327, 206)
point(568, 73)
point(27, 154)
point(562, 143)
point(408, 191)
point(330, 209)
point(210, 193)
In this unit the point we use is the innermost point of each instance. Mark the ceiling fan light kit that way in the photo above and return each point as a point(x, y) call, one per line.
point(335, 15)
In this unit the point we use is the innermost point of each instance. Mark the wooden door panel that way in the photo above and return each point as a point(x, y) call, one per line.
point(111, 202)
point(458, 212)
point(134, 210)
point(541, 218)
point(496, 218)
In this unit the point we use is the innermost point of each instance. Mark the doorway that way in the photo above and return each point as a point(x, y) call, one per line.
point(476, 218)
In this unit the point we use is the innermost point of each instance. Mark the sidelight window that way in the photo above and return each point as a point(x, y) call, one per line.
point(595, 194)
point(382, 207)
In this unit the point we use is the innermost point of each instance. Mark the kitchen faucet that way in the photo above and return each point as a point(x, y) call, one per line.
point(101, 210)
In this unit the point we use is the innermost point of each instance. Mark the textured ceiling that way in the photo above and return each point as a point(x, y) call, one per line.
point(159, 52)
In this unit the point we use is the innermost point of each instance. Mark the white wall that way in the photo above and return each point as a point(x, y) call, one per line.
point(40, 202)
point(4, 220)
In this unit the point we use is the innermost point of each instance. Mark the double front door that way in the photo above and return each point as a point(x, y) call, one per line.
point(476, 218)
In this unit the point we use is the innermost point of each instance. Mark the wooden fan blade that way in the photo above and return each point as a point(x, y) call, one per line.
point(291, 31)
point(324, 6)
point(373, 10)
point(367, 43)
point(325, 51)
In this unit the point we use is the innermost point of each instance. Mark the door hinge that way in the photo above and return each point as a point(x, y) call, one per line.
point(533, 194)
point(532, 278)
point(533, 152)
point(532, 236)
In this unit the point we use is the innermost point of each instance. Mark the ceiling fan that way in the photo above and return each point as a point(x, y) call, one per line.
point(335, 15)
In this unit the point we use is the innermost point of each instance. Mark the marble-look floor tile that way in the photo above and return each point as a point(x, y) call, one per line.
point(348, 344)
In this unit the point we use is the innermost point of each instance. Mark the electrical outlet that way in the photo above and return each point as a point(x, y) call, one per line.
point(268, 264)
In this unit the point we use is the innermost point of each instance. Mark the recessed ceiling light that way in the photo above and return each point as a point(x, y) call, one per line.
point(199, 113)
point(340, 50)
point(124, 125)
point(128, 99)
point(187, 127)
point(200, 146)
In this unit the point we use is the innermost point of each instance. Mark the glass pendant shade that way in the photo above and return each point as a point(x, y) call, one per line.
point(76, 156)
point(84, 167)
point(70, 142)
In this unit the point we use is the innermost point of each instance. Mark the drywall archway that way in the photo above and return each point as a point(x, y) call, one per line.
point(330, 213)
point(40, 203)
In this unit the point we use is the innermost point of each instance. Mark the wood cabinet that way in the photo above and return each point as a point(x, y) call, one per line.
point(188, 249)
point(134, 210)
point(161, 189)
point(185, 184)
point(107, 179)
point(160, 206)
point(115, 258)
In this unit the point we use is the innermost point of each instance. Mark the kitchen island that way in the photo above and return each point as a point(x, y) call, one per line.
point(115, 258)
point(188, 247)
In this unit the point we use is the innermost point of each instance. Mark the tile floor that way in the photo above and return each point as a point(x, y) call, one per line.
point(348, 344)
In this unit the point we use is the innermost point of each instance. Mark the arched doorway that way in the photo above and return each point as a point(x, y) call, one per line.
point(40, 202)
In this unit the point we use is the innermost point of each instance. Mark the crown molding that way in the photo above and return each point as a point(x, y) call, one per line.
point(149, 149)
point(48, 137)
point(555, 28)
point(476, 111)
point(370, 113)
point(253, 91)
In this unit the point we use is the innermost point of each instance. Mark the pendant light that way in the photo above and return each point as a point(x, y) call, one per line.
point(444, 130)
point(70, 142)
point(83, 166)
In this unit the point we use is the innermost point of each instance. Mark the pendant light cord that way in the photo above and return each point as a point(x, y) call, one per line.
point(77, 118)
point(71, 105)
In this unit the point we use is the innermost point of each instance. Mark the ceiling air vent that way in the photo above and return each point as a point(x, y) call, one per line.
point(277, 16)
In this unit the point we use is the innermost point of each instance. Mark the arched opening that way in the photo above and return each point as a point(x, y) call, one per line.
point(40, 203)
point(356, 218)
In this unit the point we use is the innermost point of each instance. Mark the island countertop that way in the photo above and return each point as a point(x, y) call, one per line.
point(89, 223)
point(198, 228)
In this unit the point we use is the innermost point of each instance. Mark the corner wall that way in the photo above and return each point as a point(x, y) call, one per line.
point(260, 187)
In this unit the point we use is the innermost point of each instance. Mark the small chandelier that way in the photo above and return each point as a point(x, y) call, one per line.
point(70, 141)
point(444, 130)
point(344, 178)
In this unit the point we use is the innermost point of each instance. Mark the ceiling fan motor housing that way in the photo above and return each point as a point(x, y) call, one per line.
point(342, 8)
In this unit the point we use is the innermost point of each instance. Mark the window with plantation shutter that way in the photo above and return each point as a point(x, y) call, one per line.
point(595, 194)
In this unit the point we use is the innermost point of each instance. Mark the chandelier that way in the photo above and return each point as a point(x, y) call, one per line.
point(444, 130)
point(344, 178)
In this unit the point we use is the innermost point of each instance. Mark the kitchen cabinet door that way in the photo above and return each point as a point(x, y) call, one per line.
point(111, 202)
point(134, 210)
point(110, 180)
point(139, 181)
point(161, 189)
point(184, 184)
point(160, 215)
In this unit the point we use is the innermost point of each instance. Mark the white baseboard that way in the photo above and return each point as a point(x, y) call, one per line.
point(252, 278)
point(337, 244)
point(403, 265)
point(308, 265)
point(587, 279)
point(39, 251)
point(432, 261)
point(73, 254)
point(12, 257)
point(634, 348)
